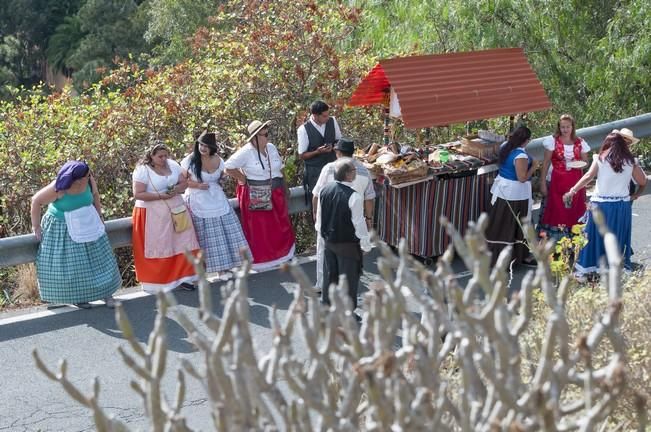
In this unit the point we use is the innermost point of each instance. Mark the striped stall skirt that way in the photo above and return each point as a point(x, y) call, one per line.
point(413, 212)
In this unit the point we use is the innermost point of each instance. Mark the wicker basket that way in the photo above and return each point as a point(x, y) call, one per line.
point(403, 176)
point(374, 170)
point(479, 148)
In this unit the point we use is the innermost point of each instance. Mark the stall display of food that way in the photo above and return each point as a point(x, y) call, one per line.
point(421, 164)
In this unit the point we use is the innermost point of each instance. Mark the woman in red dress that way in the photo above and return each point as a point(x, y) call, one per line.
point(563, 150)
point(265, 221)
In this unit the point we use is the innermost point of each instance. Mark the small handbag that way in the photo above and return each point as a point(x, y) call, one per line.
point(180, 216)
point(260, 197)
point(260, 194)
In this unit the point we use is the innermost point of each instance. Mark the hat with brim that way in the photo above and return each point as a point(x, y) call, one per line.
point(254, 127)
point(627, 134)
point(345, 145)
point(208, 139)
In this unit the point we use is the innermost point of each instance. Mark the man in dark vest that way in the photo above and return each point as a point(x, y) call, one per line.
point(340, 220)
point(315, 141)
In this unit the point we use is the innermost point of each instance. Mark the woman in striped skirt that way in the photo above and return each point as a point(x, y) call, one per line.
point(75, 262)
point(218, 230)
point(511, 201)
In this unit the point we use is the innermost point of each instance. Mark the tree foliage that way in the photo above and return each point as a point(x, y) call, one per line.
point(172, 23)
point(25, 27)
point(591, 56)
point(269, 60)
point(265, 62)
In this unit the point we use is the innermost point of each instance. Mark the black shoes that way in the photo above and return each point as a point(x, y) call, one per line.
point(187, 286)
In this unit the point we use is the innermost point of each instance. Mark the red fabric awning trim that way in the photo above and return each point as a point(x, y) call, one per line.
point(372, 89)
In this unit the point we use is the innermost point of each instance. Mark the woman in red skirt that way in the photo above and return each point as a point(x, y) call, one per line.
point(261, 196)
point(567, 154)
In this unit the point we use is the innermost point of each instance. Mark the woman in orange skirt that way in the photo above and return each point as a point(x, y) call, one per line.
point(158, 249)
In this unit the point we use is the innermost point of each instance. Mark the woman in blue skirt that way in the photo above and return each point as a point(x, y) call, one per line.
point(75, 262)
point(218, 230)
point(614, 168)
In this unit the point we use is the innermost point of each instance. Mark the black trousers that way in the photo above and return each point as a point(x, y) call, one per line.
point(335, 265)
point(310, 177)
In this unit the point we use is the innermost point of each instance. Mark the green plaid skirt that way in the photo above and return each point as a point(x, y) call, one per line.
point(70, 272)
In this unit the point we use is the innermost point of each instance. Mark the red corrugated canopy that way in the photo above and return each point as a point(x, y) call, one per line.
point(437, 90)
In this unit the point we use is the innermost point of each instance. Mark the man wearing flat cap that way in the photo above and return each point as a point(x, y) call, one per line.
point(344, 148)
point(315, 143)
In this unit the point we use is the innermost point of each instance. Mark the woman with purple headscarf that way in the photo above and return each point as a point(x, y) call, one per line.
point(75, 262)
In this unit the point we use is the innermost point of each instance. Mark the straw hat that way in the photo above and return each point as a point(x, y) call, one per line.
point(254, 127)
point(627, 134)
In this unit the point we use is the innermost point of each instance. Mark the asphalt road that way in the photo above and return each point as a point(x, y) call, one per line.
point(88, 340)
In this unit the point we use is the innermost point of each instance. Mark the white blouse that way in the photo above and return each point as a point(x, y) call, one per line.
point(208, 203)
point(611, 186)
point(511, 190)
point(246, 159)
point(156, 183)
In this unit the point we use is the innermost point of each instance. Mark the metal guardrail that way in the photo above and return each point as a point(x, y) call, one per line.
point(22, 249)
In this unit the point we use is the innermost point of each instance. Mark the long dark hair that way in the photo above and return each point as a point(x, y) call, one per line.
point(619, 152)
point(517, 138)
point(195, 159)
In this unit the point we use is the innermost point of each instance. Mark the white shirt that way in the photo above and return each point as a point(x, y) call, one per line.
point(611, 186)
point(208, 203)
point(304, 141)
point(156, 183)
point(511, 190)
point(549, 143)
point(357, 212)
point(246, 159)
point(362, 183)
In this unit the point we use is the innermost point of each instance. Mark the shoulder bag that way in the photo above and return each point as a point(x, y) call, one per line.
point(260, 192)
point(179, 214)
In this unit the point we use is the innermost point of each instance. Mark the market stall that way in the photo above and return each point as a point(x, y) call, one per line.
point(418, 184)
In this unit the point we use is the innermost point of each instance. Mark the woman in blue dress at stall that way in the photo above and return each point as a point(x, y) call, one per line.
point(511, 198)
point(614, 167)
